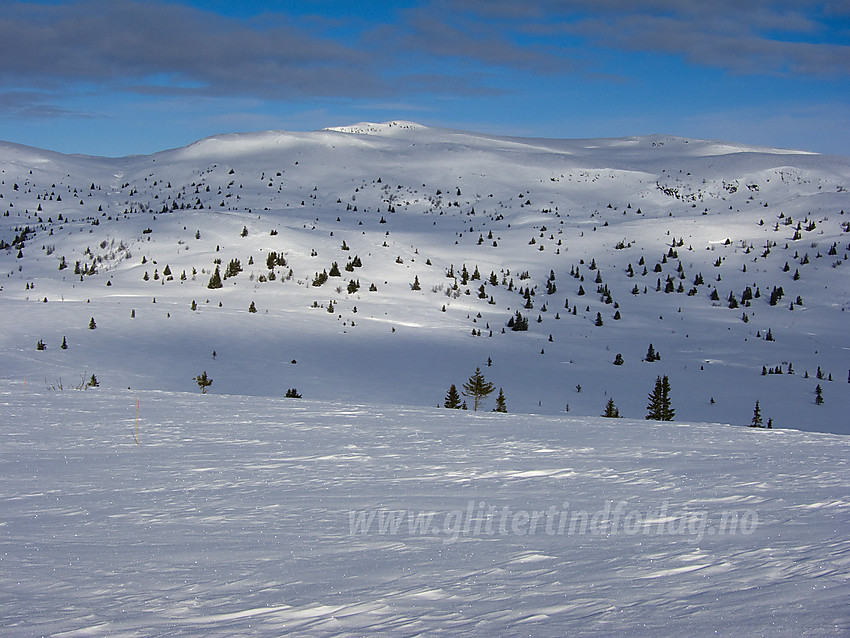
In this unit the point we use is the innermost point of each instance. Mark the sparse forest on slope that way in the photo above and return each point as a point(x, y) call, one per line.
point(383, 262)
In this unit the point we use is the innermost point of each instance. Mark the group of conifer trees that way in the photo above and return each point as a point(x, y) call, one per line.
point(478, 389)
point(659, 407)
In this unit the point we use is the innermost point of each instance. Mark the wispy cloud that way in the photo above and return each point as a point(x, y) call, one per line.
point(33, 105)
point(754, 37)
point(749, 40)
point(126, 44)
point(167, 48)
point(499, 61)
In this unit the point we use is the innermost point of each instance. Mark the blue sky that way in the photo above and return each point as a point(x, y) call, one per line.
point(117, 77)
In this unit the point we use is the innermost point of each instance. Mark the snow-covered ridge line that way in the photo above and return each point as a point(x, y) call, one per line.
point(247, 142)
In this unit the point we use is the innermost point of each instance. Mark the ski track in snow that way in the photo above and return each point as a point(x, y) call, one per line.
point(232, 517)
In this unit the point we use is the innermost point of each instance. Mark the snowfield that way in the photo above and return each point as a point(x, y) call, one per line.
point(238, 515)
point(368, 268)
point(729, 260)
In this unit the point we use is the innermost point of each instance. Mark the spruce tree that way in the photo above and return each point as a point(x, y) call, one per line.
point(659, 406)
point(651, 354)
point(215, 280)
point(654, 406)
point(203, 381)
point(611, 411)
point(501, 406)
point(518, 323)
point(667, 411)
point(477, 388)
point(233, 268)
point(452, 398)
point(92, 324)
point(818, 395)
point(757, 420)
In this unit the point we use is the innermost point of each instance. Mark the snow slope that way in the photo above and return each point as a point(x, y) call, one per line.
point(238, 515)
point(142, 507)
point(649, 228)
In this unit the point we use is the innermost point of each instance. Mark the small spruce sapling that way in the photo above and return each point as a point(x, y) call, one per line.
point(501, 405)
point(215, 280)
point(757, 420)
point(452, 398)
point(203, 381)
point(611, 411)
point(651, 354)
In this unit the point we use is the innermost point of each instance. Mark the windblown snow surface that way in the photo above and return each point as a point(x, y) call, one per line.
point(239, 515)
point(385, 263)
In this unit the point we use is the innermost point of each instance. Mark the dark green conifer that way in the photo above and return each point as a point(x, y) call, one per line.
point(501, 405)
point(477, 388)
point(757, 420)
point(215, 280)
point(611, 411)
point(203, 381)
point(659, 406)
point(452, 398)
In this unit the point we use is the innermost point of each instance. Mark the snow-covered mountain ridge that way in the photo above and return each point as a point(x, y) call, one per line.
point(661, 240)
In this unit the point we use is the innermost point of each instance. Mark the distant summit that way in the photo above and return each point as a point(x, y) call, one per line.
point(371, 128)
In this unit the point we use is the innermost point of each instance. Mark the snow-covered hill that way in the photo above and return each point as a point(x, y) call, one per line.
point(256, 516)
point(654, 237)
point(369, 268)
